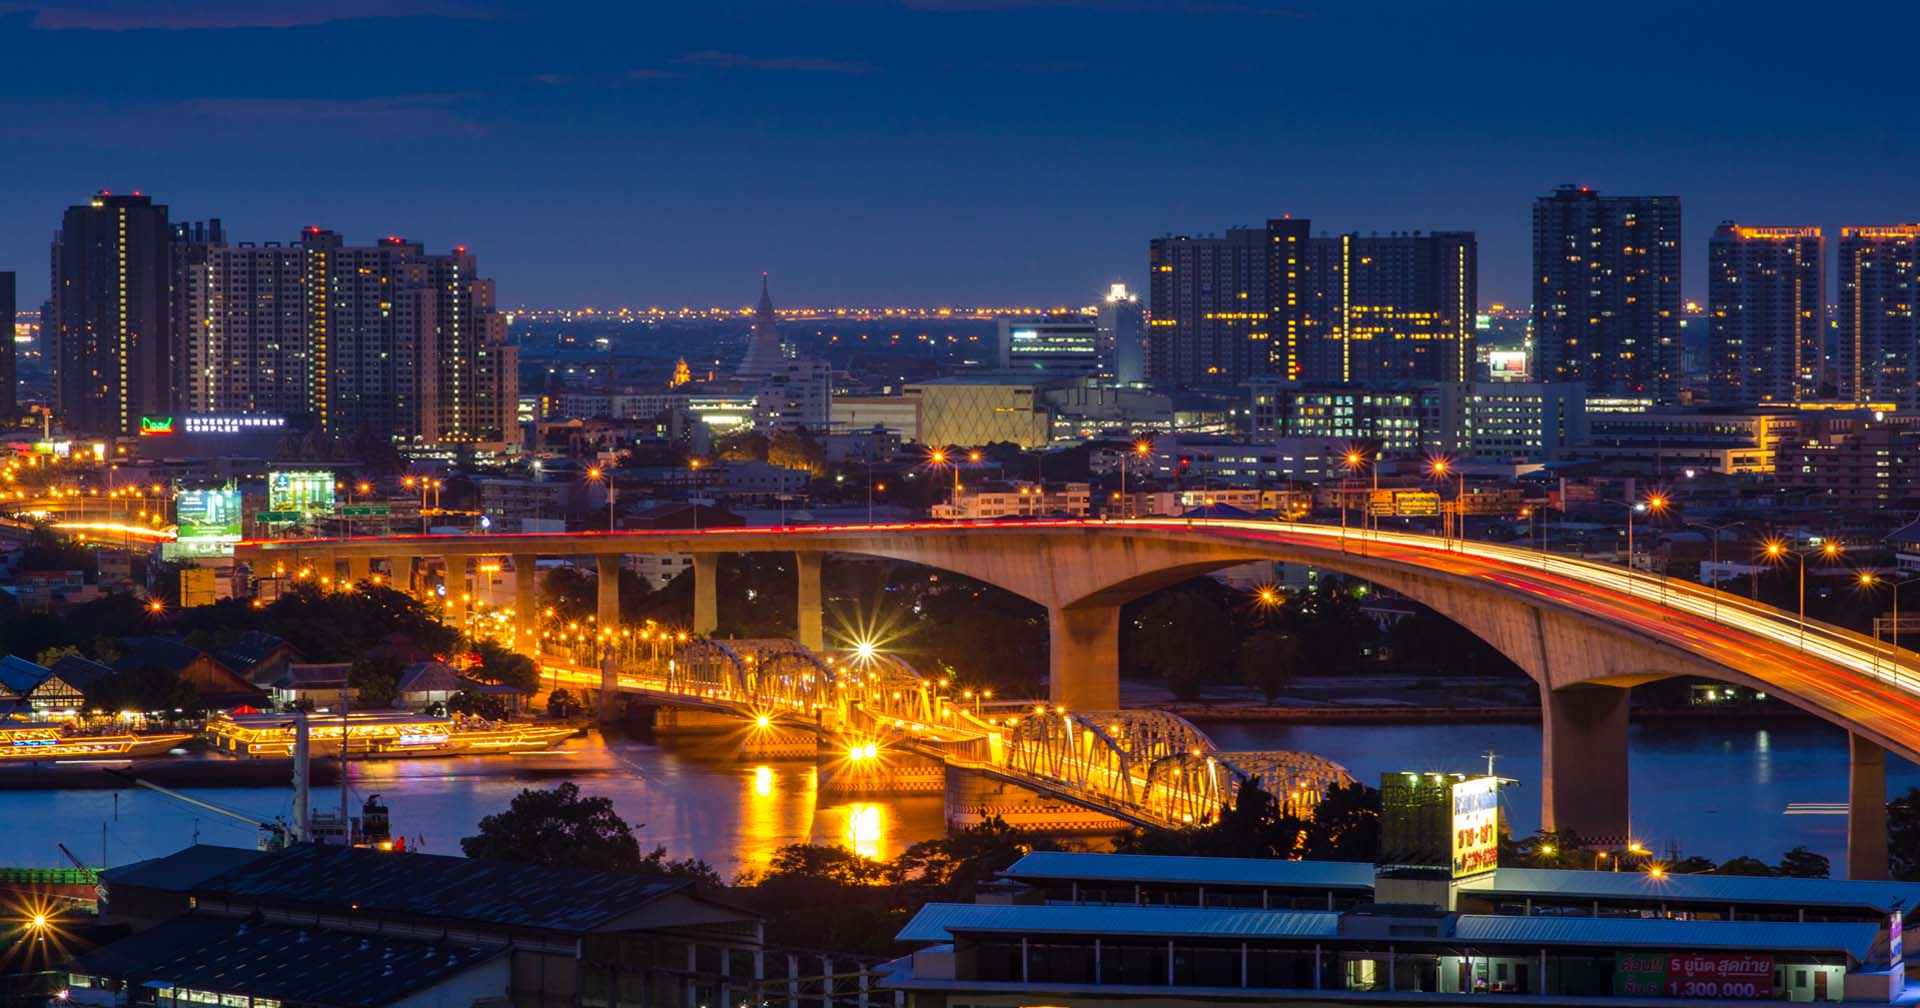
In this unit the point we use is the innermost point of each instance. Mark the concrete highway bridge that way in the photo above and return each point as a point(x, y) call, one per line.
point(1584, 631)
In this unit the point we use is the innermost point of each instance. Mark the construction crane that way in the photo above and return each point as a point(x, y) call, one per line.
point(273, 835)
point(99, 889)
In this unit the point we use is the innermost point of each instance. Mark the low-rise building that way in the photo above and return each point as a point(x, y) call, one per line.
point(1016, 499)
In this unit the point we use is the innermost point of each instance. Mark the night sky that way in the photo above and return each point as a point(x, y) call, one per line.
point(936, 151)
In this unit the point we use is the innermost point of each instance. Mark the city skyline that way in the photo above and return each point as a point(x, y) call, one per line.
point(868, 152)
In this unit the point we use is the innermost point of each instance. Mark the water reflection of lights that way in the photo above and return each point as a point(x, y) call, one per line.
point(866, 830)
point(763, 781)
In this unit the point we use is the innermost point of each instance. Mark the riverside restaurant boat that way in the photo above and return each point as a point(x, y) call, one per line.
point(378, 734)
point(22, 742)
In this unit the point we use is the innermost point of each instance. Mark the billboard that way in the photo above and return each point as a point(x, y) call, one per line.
point(1416, 503)
point(1725, 976)
point(197, 587)
point(208, 515)
point(310, 493)
point(1507, 365)
point(1476, 826)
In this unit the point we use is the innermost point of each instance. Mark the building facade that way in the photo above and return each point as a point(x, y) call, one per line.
point(1606, 291)
point(9, 374)
point(1063, 345)
point(1209, 302)
point(111, 332)
point(1123, 331)
point(1766, 313)
point(1879, 324)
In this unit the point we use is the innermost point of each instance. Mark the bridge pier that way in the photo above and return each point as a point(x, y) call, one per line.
point(706, 594)
point(607, 566)
point(526, 602)
point(807, 606)
point(1083, 657)
point(400, 574)
point(1584, 763)
point(359, 568)
point(1866, 809)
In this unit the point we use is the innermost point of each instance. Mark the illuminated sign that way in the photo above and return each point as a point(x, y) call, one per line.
point(1507, 365)
point(1722, 975)
point(310, 493)
point(208, 517)
point(152, 426)
point(223, 423)
point(1416, 503)
point(1476, 826)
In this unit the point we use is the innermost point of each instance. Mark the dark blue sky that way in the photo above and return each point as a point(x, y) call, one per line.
point(936, 151)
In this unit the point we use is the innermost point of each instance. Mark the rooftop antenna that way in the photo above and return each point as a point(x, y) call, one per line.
point(1490, 755)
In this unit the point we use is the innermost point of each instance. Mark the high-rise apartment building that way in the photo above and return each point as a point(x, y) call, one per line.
point(1879, 324)
point(111, 331)
point(1390, 308)
point(1766, 313)
point(240, 318)
point(1606, 291)
point(1331, 308)
point(9, 374)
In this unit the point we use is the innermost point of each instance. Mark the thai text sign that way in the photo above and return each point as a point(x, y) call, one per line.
point(1476, 826)
point(1719, 975)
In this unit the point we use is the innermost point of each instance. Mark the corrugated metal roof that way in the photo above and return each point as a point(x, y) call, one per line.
point(1192, 870)
point(1879, 896)
point(936, 921)
point(1639, 932)
point(20, 676)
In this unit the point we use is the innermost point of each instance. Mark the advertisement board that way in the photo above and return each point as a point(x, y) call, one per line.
point(197, 587)
point(208, 515)
point(1476, 826)
point(310, 493)
point(1719, 975)
point(1507, 365)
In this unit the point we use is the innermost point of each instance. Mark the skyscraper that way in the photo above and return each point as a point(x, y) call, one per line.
point(1879, 326)
point(111, 332)
point(1123, 332)
point(9, 376)
point(1766, 313)
point(1606, 291)
point(1331, 308)
point(240, 316)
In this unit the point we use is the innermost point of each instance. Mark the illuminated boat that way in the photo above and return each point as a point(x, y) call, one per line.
point(378, 734)
point(42, 741)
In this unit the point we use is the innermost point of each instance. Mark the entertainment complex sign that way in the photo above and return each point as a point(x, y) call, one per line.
point(1726, 976)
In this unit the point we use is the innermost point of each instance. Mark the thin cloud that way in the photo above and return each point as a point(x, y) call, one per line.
point(1230, 8)
point(208, 15)
point(418, 113)
point(718, 60)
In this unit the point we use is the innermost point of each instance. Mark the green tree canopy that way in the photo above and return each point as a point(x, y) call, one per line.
point(557, 826)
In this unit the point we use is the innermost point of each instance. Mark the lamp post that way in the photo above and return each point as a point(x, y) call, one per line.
point(1714, 530)
point(1654, 504)
point(595, 475)
point(1141, 449)
point(1439, 467)
point(1868, 580)
point(1775, 549)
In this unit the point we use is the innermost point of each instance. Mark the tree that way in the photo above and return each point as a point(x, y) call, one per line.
point(1691, 865)
point(1182, 636)
point(570, 592)
point(1743, 865)
point(953, 866)
point(477, 705)
point(745, 446)
point(1346, 825)
point(1548, 849)
point(794, 450)
point(46, 657)
point(1803, 863)
point(557, 827)
point(507, 668)
point(1266, 660)
point(375, 680)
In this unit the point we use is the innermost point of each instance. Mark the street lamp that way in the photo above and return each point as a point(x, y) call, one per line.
point(1440, 466)
point(1653, 504)
point(1141, 449)
point(1868, 580)
point(1776, 549)
point(594, 474)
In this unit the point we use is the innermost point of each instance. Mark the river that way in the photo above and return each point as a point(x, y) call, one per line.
point(1717, 788)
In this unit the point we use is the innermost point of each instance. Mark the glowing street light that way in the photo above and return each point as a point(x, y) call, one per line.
point(1777, 549)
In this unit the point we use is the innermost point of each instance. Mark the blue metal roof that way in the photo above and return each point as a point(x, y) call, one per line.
point(1877, 896)
point(1660, 933)
point(936, 921)
point(1192, 870)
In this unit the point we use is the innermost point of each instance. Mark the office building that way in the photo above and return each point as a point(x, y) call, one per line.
point(1667, 441)
point(1606, 292)
point(991, 499)
point(9, 373)
point(796, 396)
point(1123, 331)
point(1853, 462)
point(1522, 421)
point(982, 409)
point(111, 332)
point(1879, 326)
point(1398, 421)
point(1766, 313)
point(1327, 309)
point(1062, 346)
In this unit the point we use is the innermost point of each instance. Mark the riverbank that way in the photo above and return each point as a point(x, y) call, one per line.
point(167, 771)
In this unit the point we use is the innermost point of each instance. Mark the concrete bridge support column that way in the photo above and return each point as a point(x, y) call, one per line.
point(359, 568)
point(608, 569)
point(400, 574)
point(1866, 810)
point(1083, 657)
point(706, 593)
point(1584, 763)
point(807, 615)
point(526, 602)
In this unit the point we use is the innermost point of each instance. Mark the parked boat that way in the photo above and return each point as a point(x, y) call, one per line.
point(34, 741)
point(379, 734)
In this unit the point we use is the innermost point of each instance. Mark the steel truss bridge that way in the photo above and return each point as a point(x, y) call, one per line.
point(1145, 767)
